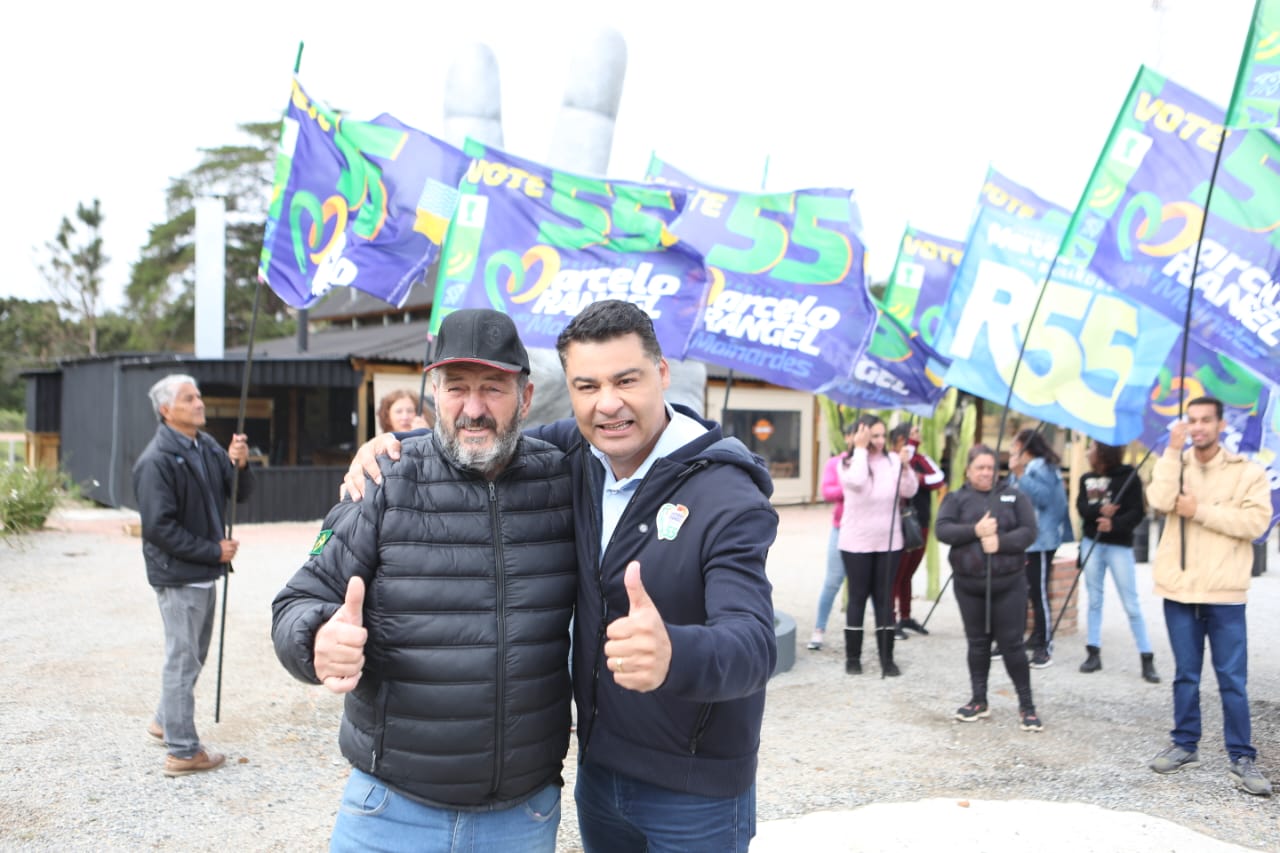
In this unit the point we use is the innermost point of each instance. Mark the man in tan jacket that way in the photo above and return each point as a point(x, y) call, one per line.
point(1222, 502)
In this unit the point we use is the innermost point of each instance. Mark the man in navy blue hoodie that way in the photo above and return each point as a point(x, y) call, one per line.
point(673, 638)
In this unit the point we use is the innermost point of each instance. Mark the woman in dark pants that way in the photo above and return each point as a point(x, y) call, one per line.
point(1034, 467)
point(873, 480)
point(989, 528)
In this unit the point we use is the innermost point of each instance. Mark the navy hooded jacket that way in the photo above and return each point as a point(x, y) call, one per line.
point(700, 731)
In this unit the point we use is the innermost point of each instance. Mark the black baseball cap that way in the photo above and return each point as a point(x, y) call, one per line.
point(480, 336)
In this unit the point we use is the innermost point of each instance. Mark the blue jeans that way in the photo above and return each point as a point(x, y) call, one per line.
point(187, 613)
point(618, 814)
point(1225, 626)
point(831, 583)
point(372, 817)
point(1119, 559)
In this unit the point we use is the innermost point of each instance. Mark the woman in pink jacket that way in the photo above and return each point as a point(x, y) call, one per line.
point(871, 537)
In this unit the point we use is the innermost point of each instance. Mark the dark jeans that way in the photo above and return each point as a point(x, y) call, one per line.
point(907, 566)
point(618, 814)
point(1008, 616)
point(1039, 572)
point(1225, 627)
point(870, 574)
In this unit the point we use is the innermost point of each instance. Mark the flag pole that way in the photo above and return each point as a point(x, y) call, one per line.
point(235, 471)
point(1186, 330)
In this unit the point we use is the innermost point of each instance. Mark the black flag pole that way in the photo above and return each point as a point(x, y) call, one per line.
point(235, 473)
point(1186, 330)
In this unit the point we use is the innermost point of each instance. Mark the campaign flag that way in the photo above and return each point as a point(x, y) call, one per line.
point(926, 264)
point(1139, 225)
point(542, 244)
point(1208, 373)
point(1255, 101)
point(1268, 456)
point(355, 203)
point(788, 301)
point(1086, 360)
point(1001, 192)
point(896, 372)
point(916, 294)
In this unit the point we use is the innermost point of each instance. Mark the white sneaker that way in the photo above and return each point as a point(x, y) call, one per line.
point(815, 639)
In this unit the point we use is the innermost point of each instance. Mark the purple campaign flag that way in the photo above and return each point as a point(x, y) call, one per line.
point(355, 203)
point(1255, 101)
point(1139, 225)
point(541, 245)
point(894, 373)
point(1268, 456)
point(788, 301)
point(1086, 361)
point(921, 279)
point(1244, 397)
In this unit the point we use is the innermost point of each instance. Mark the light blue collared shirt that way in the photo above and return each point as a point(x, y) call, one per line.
point(681, 429)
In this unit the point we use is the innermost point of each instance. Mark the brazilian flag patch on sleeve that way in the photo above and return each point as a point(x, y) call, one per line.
point(321, 541)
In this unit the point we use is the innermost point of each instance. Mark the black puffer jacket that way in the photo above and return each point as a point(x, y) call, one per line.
point(1015, 521)
point(464, 700)
point(182, 517)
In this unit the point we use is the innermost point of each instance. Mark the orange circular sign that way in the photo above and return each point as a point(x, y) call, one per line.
point(762, 429)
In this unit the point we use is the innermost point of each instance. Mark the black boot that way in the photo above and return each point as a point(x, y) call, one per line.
point(1093, 662)
point(853, 651)
point(884, 644)
point(1149, 668)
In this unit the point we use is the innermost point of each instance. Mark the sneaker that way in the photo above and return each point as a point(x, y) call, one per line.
point(1173, 758)
point(198, 763)
point(1249, 778)
point(1030, 721)
point(972, 712)
point(899, 634)
point(913, 625)
point(815, 639)
point(1040, 659)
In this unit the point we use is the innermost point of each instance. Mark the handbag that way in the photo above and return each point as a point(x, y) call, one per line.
point(912, 535)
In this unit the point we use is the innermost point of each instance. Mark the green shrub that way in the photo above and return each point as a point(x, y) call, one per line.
point(12, 420)
point(27, 495)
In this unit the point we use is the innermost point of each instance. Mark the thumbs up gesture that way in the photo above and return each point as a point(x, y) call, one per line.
point(638, 650)
point(339, 649)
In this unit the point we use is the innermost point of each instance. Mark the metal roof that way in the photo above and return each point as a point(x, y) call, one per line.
point(397, 342)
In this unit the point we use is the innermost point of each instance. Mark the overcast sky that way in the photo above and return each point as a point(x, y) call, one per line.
point(906, 103)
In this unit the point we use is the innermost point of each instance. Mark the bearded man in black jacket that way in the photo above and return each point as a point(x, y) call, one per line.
point(440, 606)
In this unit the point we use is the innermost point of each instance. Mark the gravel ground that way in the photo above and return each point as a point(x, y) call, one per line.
point(81, 640)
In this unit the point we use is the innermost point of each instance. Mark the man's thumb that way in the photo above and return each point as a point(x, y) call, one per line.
point(635, 587)
point(352, 610)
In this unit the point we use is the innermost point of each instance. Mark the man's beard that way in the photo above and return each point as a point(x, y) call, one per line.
point(472, 456)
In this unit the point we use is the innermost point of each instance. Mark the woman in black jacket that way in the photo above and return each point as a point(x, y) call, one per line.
point(989, 528)
point(1111, 508)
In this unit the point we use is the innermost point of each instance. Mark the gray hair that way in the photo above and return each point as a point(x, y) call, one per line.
point(163, 392)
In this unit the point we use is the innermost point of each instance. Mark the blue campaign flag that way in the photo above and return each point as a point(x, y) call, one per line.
point(917, 290)
point(788, 301)
point(896, 372)
point(1090, 355)
point(1156, 219)
point(355, 203)
point(542, 244)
